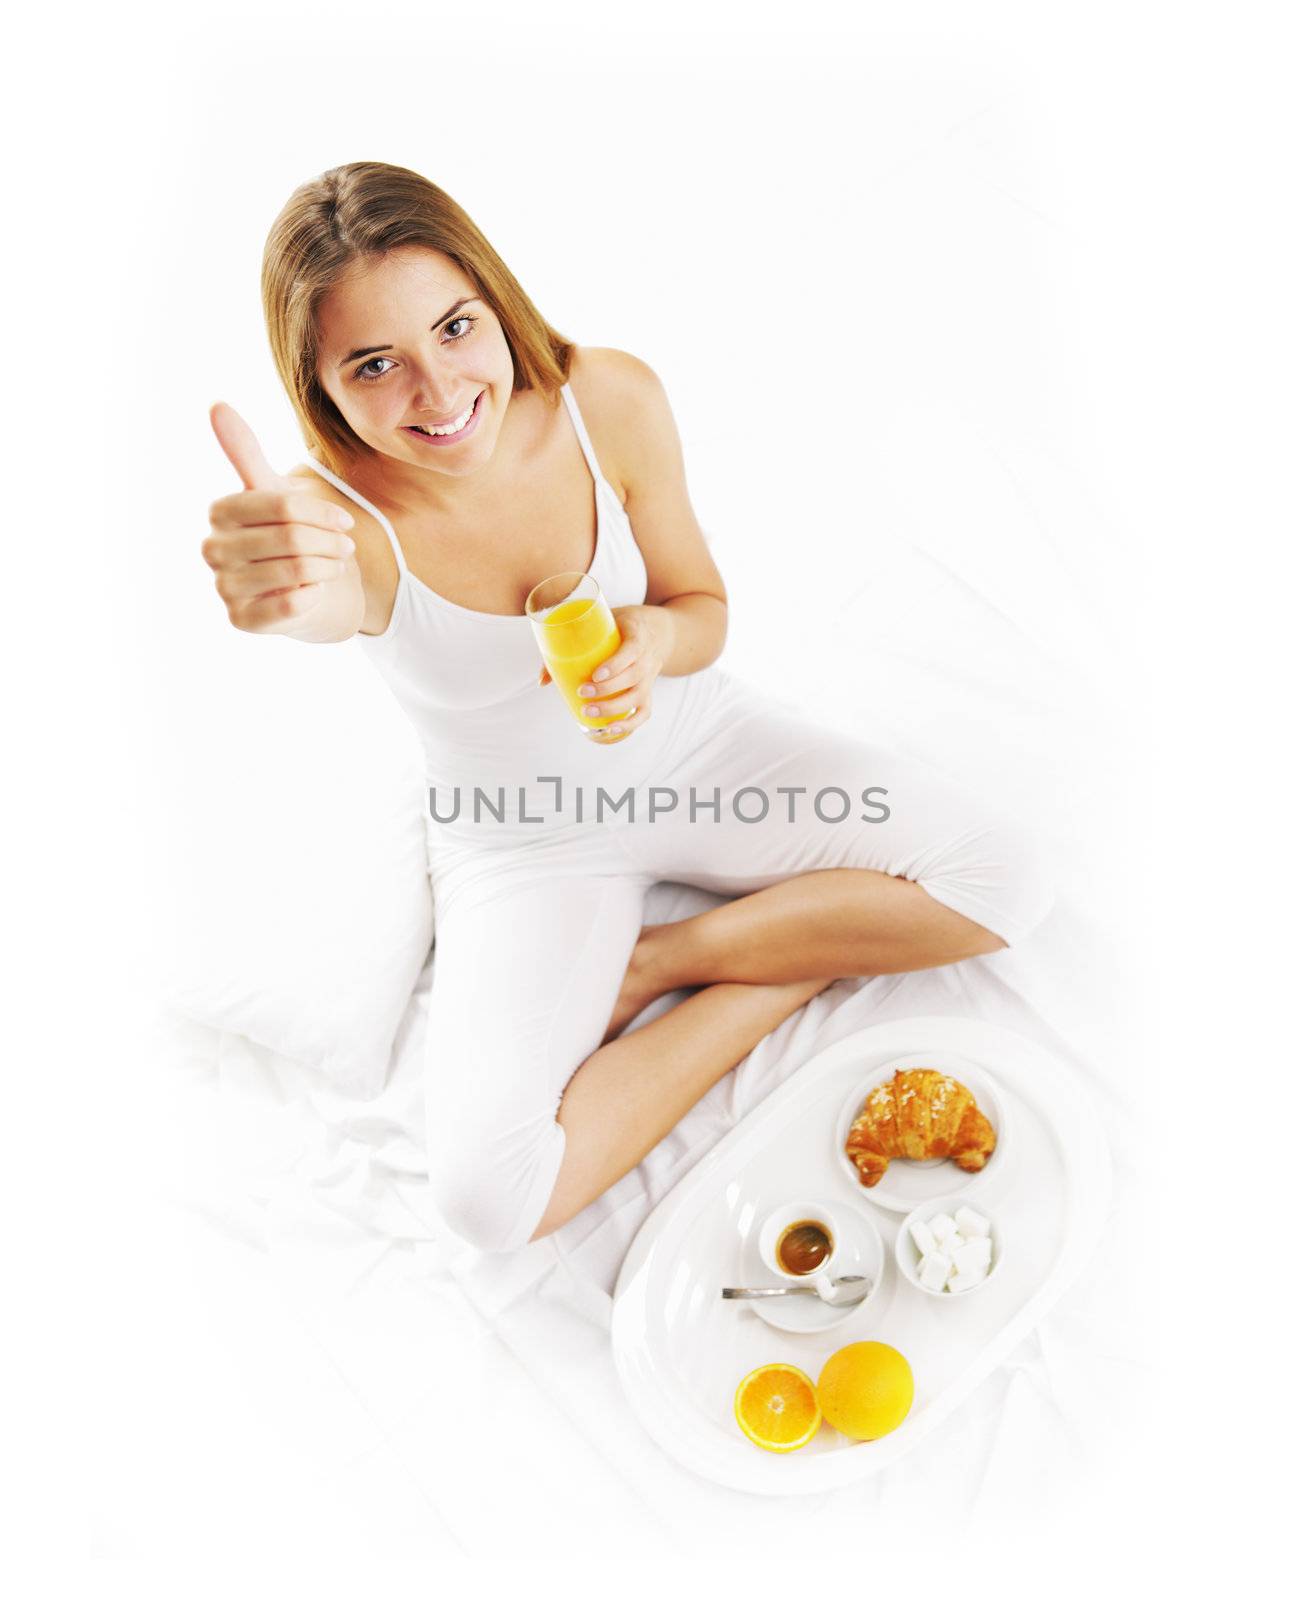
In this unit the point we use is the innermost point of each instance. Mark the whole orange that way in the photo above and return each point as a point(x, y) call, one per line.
point(866, 1389)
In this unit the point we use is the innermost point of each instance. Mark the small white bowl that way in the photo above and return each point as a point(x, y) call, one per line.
point(908, 1255)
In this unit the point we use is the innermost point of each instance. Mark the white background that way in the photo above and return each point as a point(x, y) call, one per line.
point(691, 183)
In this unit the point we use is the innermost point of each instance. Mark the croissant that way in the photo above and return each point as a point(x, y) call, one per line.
point(919, 1115)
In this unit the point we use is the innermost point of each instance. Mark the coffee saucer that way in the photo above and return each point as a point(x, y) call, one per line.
point(860, 1250)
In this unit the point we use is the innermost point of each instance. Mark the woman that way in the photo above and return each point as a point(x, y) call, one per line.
point(451, 470)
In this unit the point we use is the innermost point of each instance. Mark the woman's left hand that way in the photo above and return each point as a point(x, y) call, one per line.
point(626, 679)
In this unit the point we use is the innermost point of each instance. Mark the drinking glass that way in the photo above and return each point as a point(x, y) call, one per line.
point(575, 632)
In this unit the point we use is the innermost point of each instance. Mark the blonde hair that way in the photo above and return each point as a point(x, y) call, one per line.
point(363, 210)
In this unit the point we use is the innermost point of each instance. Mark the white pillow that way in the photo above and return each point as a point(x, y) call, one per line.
point(298, 910)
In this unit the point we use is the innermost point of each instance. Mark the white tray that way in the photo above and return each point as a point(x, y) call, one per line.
point(681, 1349)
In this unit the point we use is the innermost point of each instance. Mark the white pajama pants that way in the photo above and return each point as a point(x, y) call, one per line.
point(535, 929)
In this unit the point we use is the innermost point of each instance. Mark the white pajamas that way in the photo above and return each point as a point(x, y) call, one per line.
point(534, 936)
point(537, 913)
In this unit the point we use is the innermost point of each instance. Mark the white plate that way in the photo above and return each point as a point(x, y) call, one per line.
point(907, 1184)
point(860, 1249)
point(681, 1350)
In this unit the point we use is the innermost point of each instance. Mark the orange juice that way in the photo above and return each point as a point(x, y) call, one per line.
point(575, 638)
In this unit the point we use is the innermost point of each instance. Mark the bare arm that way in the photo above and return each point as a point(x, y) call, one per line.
point(683, 623)
point(682, 578)
point(281, 555)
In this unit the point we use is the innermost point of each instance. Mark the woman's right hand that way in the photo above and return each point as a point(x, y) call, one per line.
point(278, 551)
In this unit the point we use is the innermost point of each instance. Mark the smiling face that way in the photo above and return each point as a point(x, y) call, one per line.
point(407, 346)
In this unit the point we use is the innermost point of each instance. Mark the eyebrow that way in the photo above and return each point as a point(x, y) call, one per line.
point(374, 350)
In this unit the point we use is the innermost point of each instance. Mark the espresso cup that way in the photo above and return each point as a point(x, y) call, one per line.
point(792, 1238)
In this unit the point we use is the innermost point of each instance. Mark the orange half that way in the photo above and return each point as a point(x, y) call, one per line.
point(777, 1407)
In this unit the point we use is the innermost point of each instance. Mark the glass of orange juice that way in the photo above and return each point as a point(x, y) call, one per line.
point(575, 632)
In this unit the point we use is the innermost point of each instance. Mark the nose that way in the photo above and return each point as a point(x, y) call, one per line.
point(438, 394)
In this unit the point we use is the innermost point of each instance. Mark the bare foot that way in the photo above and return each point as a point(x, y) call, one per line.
point(643, 982)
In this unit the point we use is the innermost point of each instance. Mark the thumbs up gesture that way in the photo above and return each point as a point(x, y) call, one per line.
point(280, 554)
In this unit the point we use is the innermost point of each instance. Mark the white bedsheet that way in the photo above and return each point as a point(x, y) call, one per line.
point(481, 1387)
point(477, 1388)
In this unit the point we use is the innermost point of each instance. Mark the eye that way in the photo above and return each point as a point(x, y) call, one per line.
point(372, 377)
point(465, 325)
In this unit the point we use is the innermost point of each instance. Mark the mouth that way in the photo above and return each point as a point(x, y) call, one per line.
point(452, 432)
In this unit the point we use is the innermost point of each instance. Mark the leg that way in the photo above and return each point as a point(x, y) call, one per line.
point(630, 1093)
point(835, 923)
point(520, 1135)
point(529, 958)
point(827, 892)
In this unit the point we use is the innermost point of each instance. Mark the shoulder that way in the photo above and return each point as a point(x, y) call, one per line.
point(626, 410)
point(612, 375)
point(314, 483)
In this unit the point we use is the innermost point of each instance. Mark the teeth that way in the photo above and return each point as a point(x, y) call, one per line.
point(451, 427)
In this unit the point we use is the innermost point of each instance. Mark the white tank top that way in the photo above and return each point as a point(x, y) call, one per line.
point(468, 681)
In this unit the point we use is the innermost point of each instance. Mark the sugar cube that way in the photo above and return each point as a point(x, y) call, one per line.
point(941, 1225)
point(974, 1256)
point(971, 1224)
point(933, 1270)
point(952, 1247)
point(923, 1237)
point(960, 1281)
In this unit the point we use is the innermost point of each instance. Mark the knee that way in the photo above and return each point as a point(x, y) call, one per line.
point(1002, 875)
point(493, 1192)
point(1024, 868)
